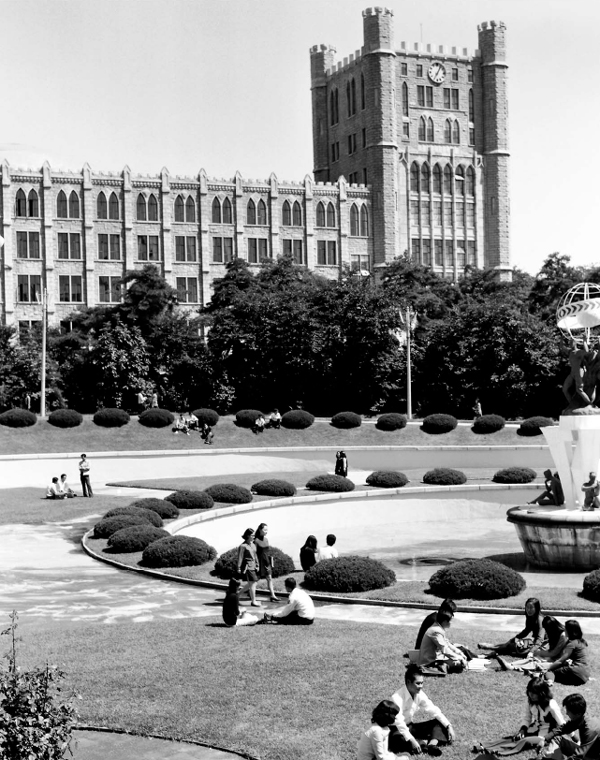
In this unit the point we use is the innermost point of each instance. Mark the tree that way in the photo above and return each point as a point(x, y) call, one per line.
point(552, 281)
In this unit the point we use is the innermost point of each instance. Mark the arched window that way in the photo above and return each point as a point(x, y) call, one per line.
point(141, 208)
point(354, 221)
point(33, 206)
point(364, 221)
point(227, 215)
point(102, 206)
point(251, 212)
point(61, 205)
point(152, 209)
point(460, 180)
point(21, 203)
point(447, 131)
point(190, 210)
point(331, 215)
point(216, 211)
point(262, 213)
point(430, 132)
point(414, 178)
point(422, 129)
point(456, 133)
point(179, 209)
point(470, 181)
point(297, 215)
point(286, 214)
point(448, 180)
point(425, 175)
point(320, 214)
point(73, 205)
point(404, 99)
point(363, 93)
point(471, 106)
point(437, 179)
point(113, 207)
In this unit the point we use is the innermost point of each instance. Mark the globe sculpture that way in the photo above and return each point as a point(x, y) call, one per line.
point(567, 535)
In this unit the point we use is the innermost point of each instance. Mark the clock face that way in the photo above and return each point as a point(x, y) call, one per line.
point(437, 72)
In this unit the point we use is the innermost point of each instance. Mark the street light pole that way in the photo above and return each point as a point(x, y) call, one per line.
point(408, 366)
point(43, 371)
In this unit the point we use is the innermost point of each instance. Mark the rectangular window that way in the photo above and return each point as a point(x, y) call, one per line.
point(153, 254)
point(471, 135)
point(415, 248)
point(326, 252)
point(75, 243)
point(414, 213)
point(252, 251)
point(460, 214)
point(447, 214)
point(109, 289)
point(298, 253)
point(455, 75)
point(455, 100)
point(469, 75)
point(404, 69)
point(103, 247)
point(439, 252)
point(471, 253)
point(28, 326)
point(470, 215)
point(437, 213)
point(461, 254)
point(142, 248)
point(421, 95)
point(187, 289)
point(426, 214)
point(30, 288)
point(405, 129)
point(360, 263)
point(66, 326)
point(447, 97)
point(351, 144)
point(365, 176)
point(22, 247)
point(335, 151)
point(419, 70)
point(218, 250)
point(364, 138)
point(63, 245)
point(34, 245)
point(190, 248)
point(449, 246)
point(69, 288)
point(426, 251)
point(179, 248)
point(429, 97)
point(227, 249)
point(353, 178)
point(115, 247)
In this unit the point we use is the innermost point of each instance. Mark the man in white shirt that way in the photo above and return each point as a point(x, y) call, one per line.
point(299, 610)
point(438, 651)
point(427, 735)
point(329, 551)
point(64, 488)
point(53, 491)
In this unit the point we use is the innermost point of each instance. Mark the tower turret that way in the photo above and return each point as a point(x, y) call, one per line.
point(321, 59)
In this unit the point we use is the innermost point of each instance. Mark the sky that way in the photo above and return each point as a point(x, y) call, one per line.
point(224, 85)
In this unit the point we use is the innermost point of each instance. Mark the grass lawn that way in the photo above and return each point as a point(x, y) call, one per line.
point(28, 506)
point(278, 693)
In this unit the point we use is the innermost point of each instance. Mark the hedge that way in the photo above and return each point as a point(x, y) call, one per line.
point(16, 418)
point(488, 423)
point(591, 586)
point(109, 525)
point(178, 551)
point(387, 479)
point(149, 515)
point(273, 487)
point(226, 564)
point(156, 418)
point(346, 420)
point(333, 483)
point(65, 418)
point(515, 475)
point(533, 425)
point(391, 421)
point(444, 476)
point(208, 416)
point(297, 419)
point(229, 493)
point(349, 574)
point(111, 417)
point(191, 500)
point(164, 509)
point(436, 424)
point(135, 538)
point(247, 417)
point(476, 579)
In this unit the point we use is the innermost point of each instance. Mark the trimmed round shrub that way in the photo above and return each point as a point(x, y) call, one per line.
point(273, 487)
point(178, 551)
point(346, 420)
point(156, 418)
point(591, 586)
point(387, 479)
point(163, 508)
point(476, 579)
point(247, 417)
point(333, 483)
point(347, 574)
point(226, 564)
point(229, 493)
point(65, 418)
point(436, 424)
point(488, 423)
point(110, 417)
point(391, 421)
point(149, 515)
point(16, 418)
point(109, 525)
point(532, 426)
point(297, 419)
point(135, 539)
point(444, 476)
point(208, 416)
point(191, 500)
point(515, 475)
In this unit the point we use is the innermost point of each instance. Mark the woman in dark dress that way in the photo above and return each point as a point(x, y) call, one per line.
point(265, 559)
point(341, 464)
point(575, 652)
point(231, 607)
point(531, 636)
point(308, 553)
point(247, 565)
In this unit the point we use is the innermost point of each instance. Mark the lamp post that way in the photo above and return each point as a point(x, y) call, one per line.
point(43, 370)
point(408, 320)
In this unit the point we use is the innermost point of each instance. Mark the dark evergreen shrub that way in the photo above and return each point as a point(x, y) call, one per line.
point(387, 479)
point(435, 424)
point(346, 420)
point(110, 417)
point(334, 483)
point(476, 579)
point(164, 509)
point(109, 525)
point(591, 586)
point(247, 417)
point(297, 419)
point(229, 493)
point(156, 418)
point(348, 574)
point(208, 416)
point(532, 426)
point(273, 487)
point(135, 538)
point(488, 423)
point(149, 515)
point(391, 421)
point(178, 551)
point(444, 476)
point(65, 418)
point(226, 564)
point(16, 418)
point(515, 475)
point(191, 500)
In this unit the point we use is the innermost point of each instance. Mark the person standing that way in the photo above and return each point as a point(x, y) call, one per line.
point(265, 558)
point(84, 476)
point(141, 402)
point(154, 401)
point(341, 464)
point(247, 565)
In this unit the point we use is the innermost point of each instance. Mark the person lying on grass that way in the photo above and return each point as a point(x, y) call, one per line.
point(437, 651)
point(373, 744)
point(427, 735)
point(587, 728)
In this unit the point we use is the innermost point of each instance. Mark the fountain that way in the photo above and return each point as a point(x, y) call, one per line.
point(568, 536)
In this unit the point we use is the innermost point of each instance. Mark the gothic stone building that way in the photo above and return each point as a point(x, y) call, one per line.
point(410, 152)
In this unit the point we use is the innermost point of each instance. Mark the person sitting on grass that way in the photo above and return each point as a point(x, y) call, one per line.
point(259, 424)
point(572, 666)
point(192, 421)
point(274, 420)
point(427, 735)
point(373, 743)
point(63, 487)
point(300, 609)
point(53, 491)
point(540, 656)
point(446, 606)
point(329, 551)
point(587, 728)
point(437, 651)
point(308, 553)
point(232, 615)
point(531, 637)
point(207, 434)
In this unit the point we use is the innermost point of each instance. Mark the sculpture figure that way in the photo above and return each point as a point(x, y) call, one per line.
point(591, 489)
point(573, 387)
